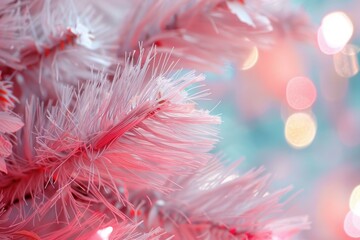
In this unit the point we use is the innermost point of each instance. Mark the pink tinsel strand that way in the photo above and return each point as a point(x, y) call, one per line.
point(217, 203)
point(204, 34)
point(114, 141)
point(87, 227)
point(134, 131)
point(9, 123)
point(56, 42)
point(7, 98)
point(12, 32)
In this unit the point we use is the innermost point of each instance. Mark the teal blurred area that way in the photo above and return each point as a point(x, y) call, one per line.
point(254, 111)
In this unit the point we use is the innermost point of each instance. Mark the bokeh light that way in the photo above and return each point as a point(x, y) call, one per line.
point(324, 47)
point(355, 220)
point(104, 234)
point(300, 130)
point(300, 93)
point(335, 32)
point(346, 62)
point(350, 225)
point(354, 201)
point(251, 59)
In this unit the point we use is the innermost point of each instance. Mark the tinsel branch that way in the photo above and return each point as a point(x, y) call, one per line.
point(106, 135)
point(96, 134)
point(205, 34)
point(217, 203)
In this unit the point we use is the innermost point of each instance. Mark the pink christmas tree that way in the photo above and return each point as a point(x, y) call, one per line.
point(99, 137)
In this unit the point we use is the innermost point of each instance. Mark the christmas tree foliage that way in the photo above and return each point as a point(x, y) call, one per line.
point(99, 137)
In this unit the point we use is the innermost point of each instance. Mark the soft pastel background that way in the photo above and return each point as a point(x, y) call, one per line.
point(254, 110)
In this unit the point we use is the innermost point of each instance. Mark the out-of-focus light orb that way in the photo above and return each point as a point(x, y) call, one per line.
point(346, 62)
point(337, 29)
point(324, 47)
point(300, 93)
point(355, 221)
point(334, 33)
point(350, 222)
point(300, 130)
point(251, 59)
point(104, 233)
point(354, 201)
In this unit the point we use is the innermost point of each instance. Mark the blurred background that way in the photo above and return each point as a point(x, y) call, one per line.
point(296, 110)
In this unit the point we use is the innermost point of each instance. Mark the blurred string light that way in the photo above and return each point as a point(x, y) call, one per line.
point(346, 62)
point(300, 130)
point(300, 93)
point(335, 32)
